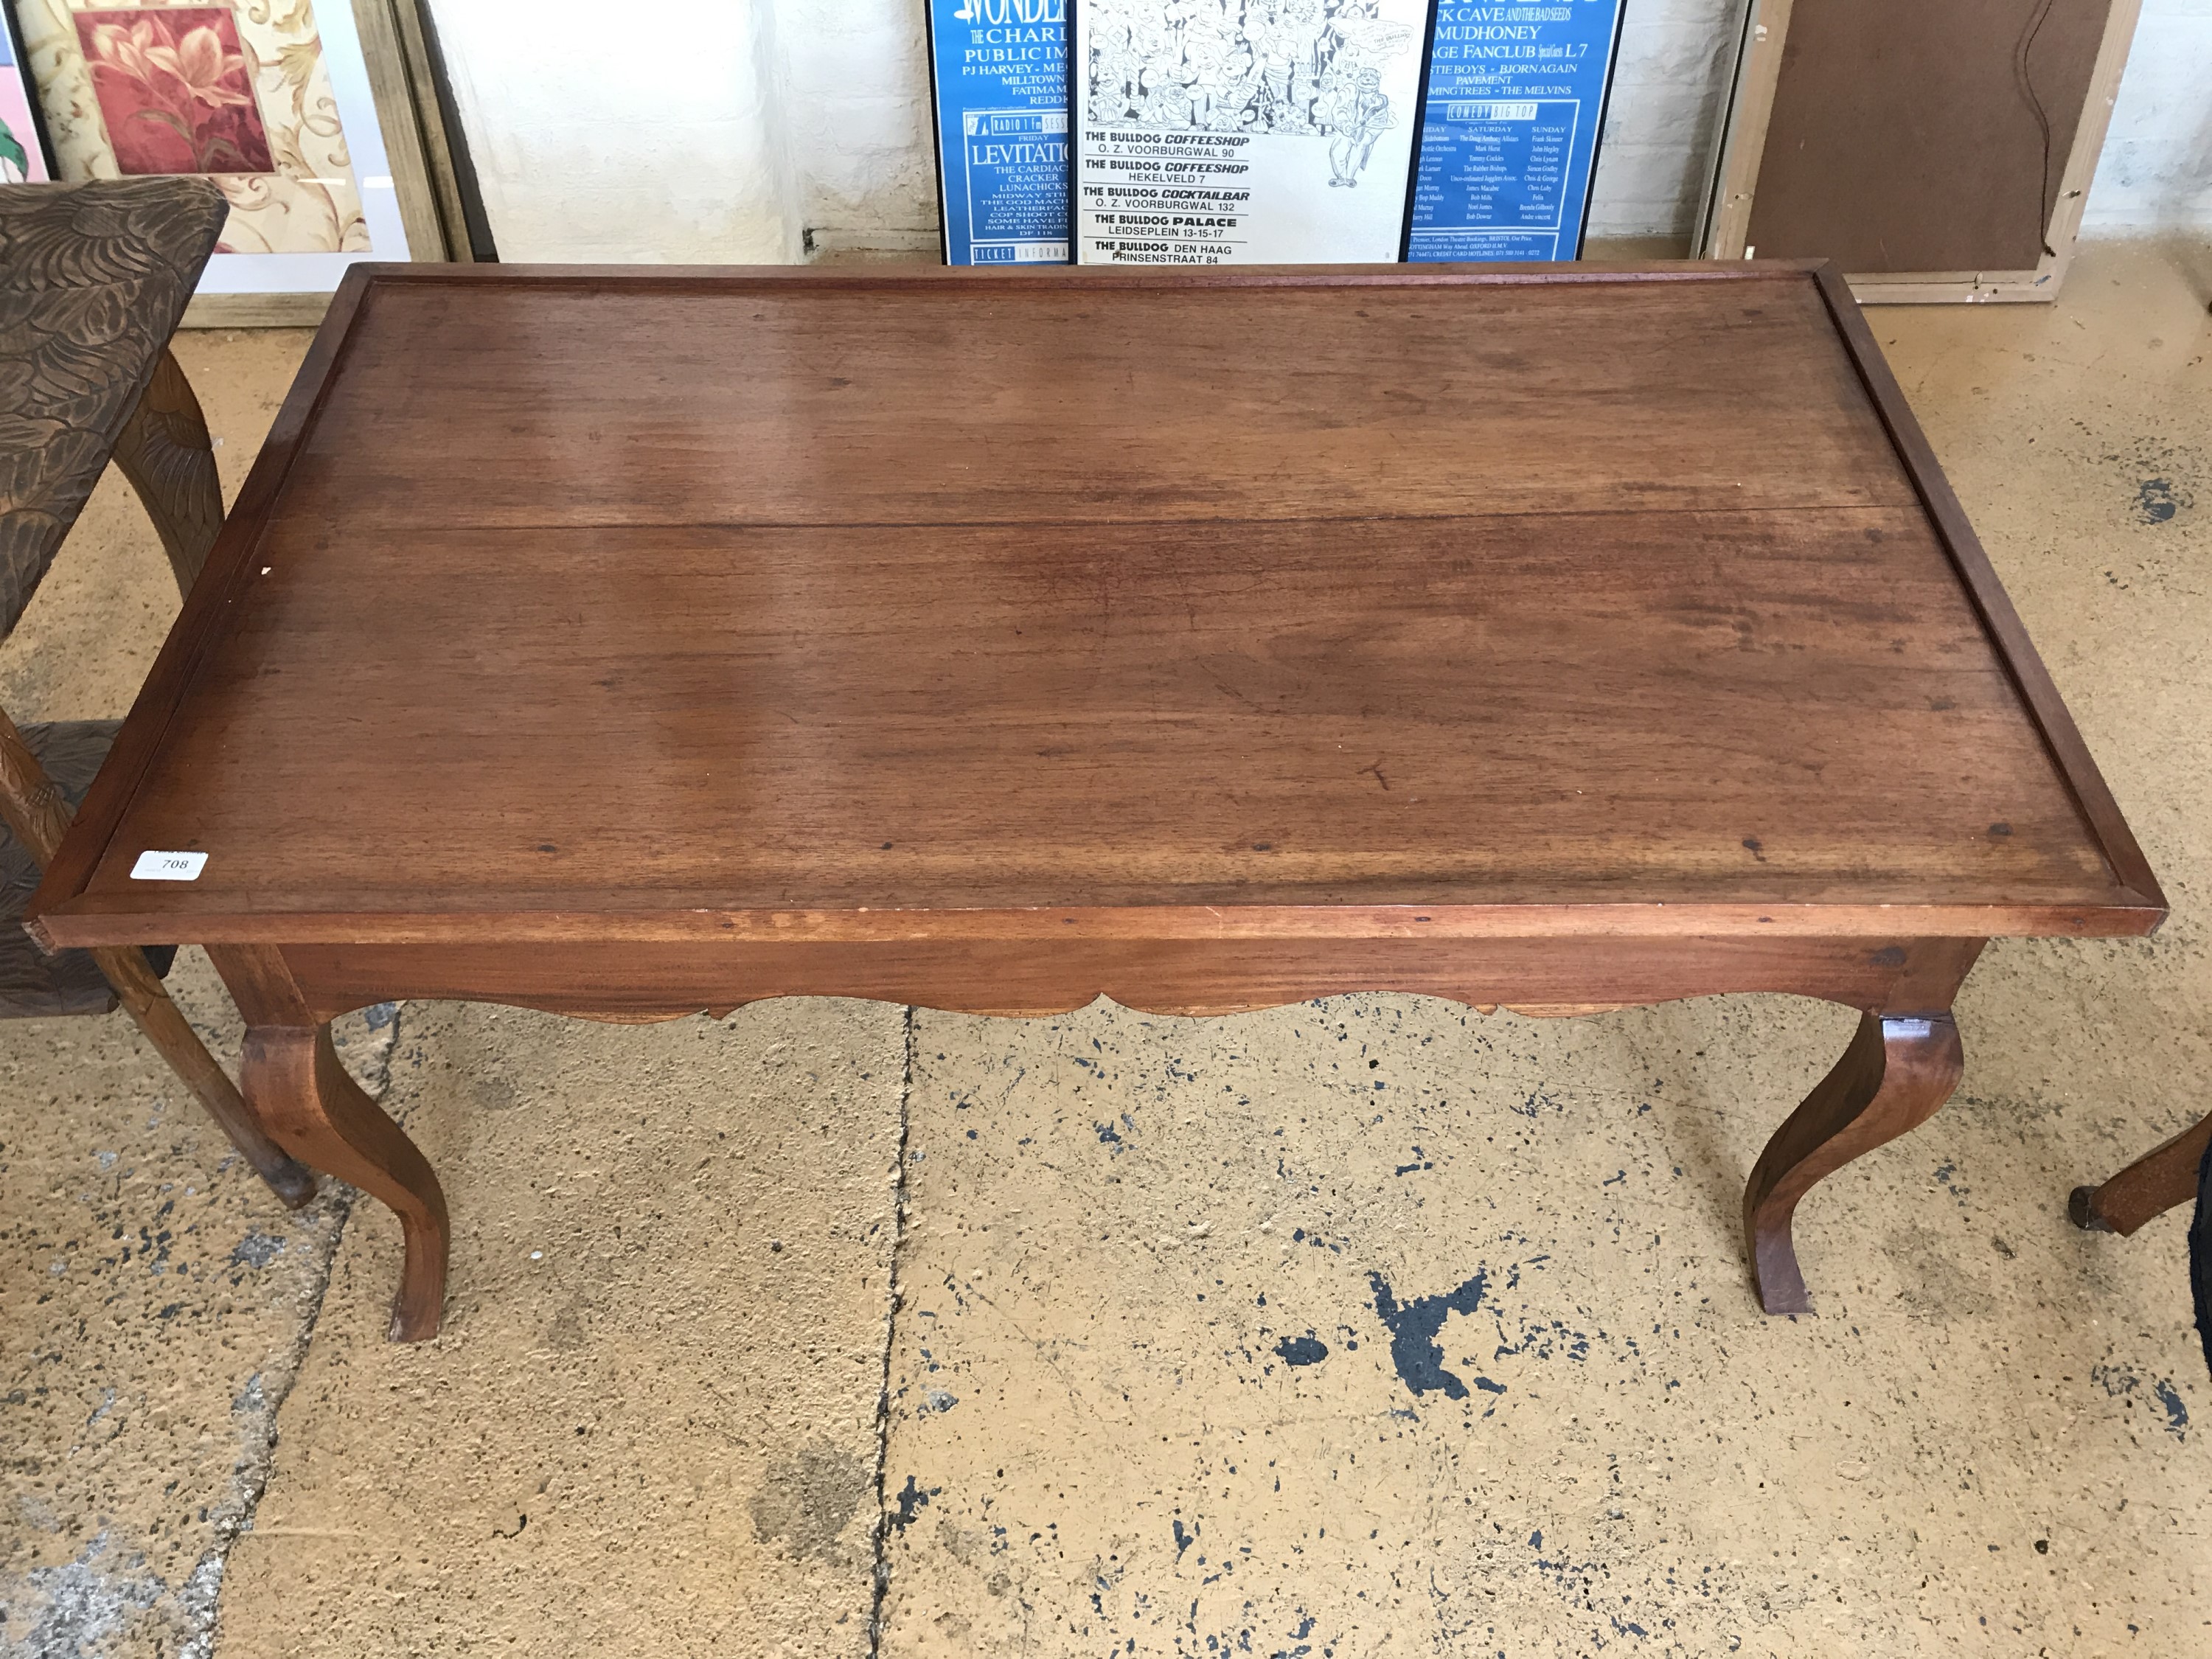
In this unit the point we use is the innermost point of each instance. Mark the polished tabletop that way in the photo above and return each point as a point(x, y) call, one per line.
point(1495, 600)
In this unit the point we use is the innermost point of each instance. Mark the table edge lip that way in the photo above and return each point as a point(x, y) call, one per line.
point(1502, 274)
point(61, 897)
point(112, 920)
point(2001, 623)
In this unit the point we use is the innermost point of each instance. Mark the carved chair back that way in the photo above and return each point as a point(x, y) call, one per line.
point(93, 281)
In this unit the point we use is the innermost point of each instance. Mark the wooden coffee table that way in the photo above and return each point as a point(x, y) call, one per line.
point(629, 643)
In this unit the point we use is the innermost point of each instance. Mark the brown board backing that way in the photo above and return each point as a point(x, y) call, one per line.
point(1942, 147)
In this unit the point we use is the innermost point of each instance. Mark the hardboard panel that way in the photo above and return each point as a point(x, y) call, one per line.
point(1907, 136)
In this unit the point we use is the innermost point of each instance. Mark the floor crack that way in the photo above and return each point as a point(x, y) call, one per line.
point(201, 1592)
point(880, 1590)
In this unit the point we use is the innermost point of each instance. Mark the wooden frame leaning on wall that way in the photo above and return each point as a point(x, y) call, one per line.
point(1725, 219)
point(417, 148)
point(328, 136)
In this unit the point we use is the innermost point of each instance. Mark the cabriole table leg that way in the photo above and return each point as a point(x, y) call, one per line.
point(139, 989)
point(300, 1094)
point(298, 1088)
point(1898, 1071)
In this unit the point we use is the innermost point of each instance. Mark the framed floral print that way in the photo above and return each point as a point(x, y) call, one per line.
point(174, 92)
point(273, 100)
point(22, 134)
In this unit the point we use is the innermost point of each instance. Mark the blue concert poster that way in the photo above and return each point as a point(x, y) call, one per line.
point(1509, 122)
point(998, 69)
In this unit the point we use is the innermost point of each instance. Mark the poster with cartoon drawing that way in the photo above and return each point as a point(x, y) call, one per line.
point(1243, 131)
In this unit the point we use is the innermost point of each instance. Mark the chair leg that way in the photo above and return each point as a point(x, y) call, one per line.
point(2154, 1183)
point(165, 451)
point(38, 817)
point(166, 1028)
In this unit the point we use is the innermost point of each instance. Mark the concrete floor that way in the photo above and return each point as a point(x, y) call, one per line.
point(1363, 1328)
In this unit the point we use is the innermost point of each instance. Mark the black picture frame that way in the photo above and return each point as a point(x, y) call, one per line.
point(942, 160)
point(31, 94)
point(1597, 139)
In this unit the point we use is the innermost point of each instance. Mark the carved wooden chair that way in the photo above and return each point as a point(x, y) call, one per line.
point(2157, 1182)
point(2162, 1179)
point(93, 278)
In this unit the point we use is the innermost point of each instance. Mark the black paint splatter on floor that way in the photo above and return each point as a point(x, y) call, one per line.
point(912, 1501)
point(1414, 1327)
point(2177, 1414)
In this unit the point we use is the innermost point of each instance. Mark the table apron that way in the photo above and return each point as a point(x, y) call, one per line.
point(631, 979)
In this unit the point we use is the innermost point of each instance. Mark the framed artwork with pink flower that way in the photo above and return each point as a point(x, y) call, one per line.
point(173, 91)
point(23, 135)
point(273, 99)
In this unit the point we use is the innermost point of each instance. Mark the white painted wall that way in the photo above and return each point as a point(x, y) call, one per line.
point(724, 139)
point(856, 105)
point(595, 145)
point(1669, 85)
point(758, 128)
point(2156, 170)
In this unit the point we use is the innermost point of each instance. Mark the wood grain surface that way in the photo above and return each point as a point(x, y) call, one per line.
point(45, 769)
point(165, 451)
point(2162, 1179)
point(93, 279)
point(697, 603)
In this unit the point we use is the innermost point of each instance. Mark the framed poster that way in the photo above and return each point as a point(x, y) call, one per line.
point(22, 133)
point(1244, 131)
point(270, 99)
point(999, 88)
point(1510, 118)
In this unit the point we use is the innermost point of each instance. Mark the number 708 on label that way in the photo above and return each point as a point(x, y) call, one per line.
point(168, 866)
